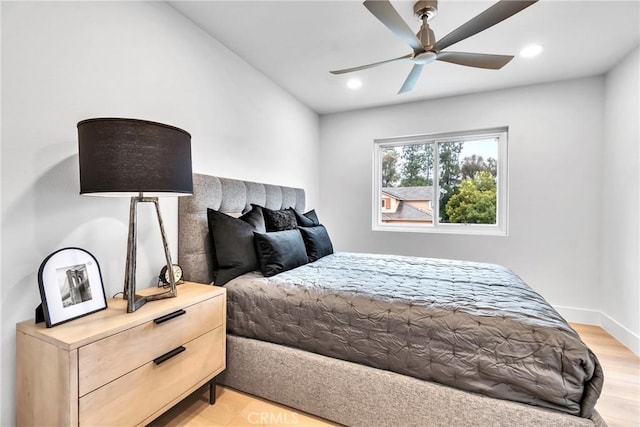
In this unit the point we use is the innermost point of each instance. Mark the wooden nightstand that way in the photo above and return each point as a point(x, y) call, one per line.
point(119, 368)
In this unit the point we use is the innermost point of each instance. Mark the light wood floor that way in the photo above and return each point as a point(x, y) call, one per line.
point(619, 403)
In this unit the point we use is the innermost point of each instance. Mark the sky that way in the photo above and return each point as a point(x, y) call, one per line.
point(485, 148)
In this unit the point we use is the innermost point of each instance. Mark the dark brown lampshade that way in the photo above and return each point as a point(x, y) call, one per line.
point(125, 157)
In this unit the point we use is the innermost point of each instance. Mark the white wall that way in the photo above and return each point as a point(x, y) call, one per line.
point(555, 170)
point(66, 61)
point(620, 293)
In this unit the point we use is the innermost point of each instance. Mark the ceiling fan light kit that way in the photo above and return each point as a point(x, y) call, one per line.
point(425, 57)
point(425, 47)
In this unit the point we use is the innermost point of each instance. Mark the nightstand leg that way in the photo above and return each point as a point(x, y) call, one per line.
point(212, 392)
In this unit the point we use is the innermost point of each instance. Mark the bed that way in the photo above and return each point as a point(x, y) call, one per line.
point(303, 349)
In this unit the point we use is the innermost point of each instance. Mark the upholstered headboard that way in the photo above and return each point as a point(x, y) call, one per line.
point(226, 195)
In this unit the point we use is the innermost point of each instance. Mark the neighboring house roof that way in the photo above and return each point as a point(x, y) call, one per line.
point(406, 212)
point(409, 193)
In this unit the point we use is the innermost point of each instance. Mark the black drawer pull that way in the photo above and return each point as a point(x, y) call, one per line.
point(168, 355)
point(169, 316)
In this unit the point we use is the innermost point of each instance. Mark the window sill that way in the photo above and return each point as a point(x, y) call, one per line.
point(471, 230)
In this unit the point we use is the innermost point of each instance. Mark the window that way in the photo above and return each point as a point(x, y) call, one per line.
point(445, 183)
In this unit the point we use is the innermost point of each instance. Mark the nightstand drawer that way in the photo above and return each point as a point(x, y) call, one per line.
point(131, 399)
point(110, 358)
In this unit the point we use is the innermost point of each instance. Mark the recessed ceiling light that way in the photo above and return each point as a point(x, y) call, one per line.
point(354, 84)
point(531, 51)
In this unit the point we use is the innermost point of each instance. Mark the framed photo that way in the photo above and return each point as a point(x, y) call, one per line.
point(70, 285)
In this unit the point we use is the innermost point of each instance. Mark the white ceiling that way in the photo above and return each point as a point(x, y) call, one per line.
point(296, 43)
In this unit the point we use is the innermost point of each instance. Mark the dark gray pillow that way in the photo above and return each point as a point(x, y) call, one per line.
point(307, 219)
point(317, 242)
point(284, 219)
point(280, 251)
point(255, 217)
point(232, 243)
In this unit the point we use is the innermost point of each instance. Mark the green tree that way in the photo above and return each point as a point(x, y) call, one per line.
point(449, 174)
point(416, 166)
point(492, 166)
point(389, 167)
point(475, 201)
point(428, 153)
point(474, 164)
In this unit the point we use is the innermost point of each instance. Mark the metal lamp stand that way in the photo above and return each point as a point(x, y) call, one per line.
point(134, 301)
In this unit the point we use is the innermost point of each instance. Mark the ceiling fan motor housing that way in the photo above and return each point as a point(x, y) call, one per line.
point(425, 8)
point(426, 36)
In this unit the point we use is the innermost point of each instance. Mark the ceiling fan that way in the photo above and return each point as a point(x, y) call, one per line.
point(425, 47)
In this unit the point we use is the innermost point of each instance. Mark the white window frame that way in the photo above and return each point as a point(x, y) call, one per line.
point(501, 228)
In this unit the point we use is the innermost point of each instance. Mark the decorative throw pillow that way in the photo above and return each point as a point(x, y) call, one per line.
point(317, 242)
point(255, 217)
point(232, 243)
point(280, 251)
point(307, 219)
point(284, 219)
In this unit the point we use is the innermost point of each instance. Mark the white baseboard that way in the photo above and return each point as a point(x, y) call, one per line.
point(606, 322)
point(621, 333)
point(579, 315)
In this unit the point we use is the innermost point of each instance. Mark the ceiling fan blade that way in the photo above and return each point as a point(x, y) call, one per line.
point(364, 67)
point(384, 11)
point(490, 17)
point(412, 78)
point(478, 60)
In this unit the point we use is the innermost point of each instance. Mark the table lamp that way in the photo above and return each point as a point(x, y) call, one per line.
point(142, 160)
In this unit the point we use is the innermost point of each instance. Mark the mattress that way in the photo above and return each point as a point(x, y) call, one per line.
point(473, 326)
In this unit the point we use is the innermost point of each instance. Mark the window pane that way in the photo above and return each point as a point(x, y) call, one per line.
point(407, 184)
point(468, 181)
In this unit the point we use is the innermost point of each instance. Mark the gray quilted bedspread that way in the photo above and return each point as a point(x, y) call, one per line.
point(472, 326)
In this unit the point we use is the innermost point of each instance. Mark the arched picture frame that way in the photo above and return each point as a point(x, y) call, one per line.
point(70, 284)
